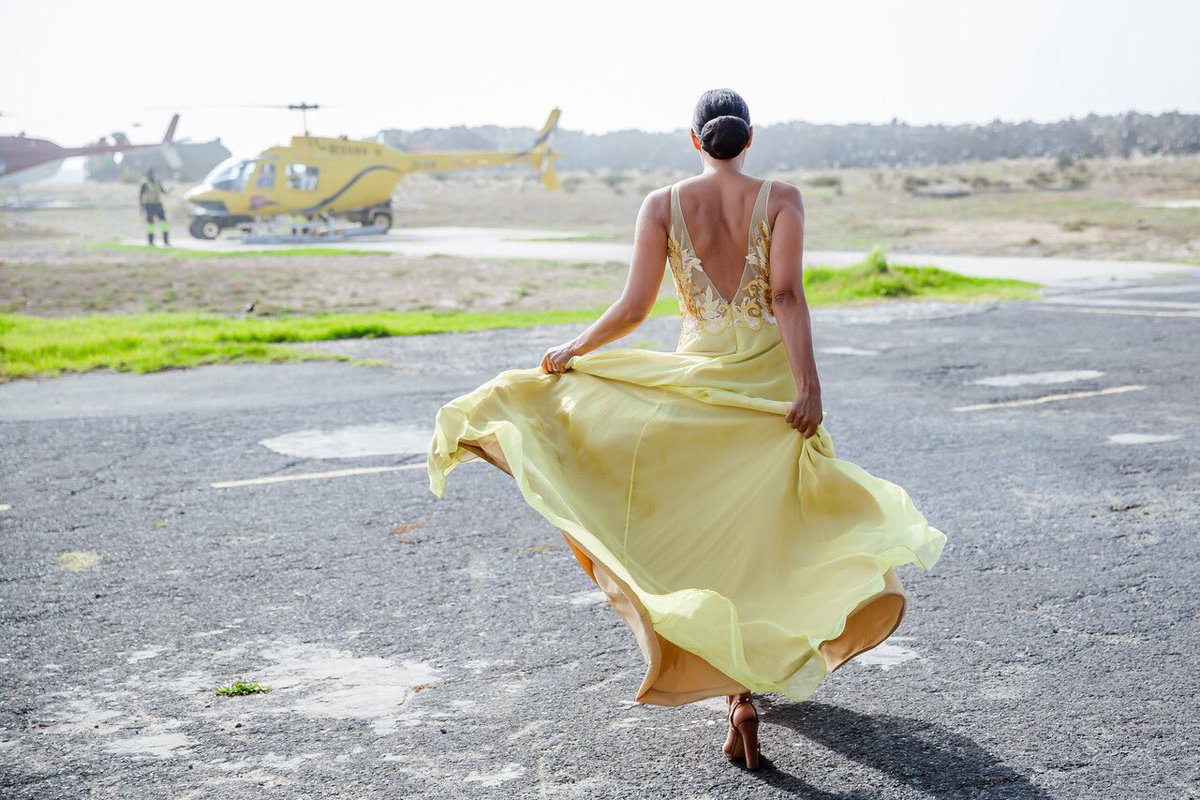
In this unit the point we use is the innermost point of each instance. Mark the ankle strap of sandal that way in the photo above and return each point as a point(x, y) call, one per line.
point(739, 700)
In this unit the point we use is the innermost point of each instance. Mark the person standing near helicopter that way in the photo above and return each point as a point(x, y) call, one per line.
point(150, 197)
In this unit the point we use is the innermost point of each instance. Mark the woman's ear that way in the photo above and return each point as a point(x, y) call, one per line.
point(695, 140)
point(750, 140)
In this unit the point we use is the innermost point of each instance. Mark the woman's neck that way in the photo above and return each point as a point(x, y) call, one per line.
point(728, 166)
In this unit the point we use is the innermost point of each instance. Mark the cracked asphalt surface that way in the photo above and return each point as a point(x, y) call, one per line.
point(423, 648)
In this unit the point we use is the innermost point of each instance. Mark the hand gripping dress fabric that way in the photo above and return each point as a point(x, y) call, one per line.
point(742, 556)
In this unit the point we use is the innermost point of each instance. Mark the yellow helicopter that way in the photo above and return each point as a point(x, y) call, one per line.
point(322, 179)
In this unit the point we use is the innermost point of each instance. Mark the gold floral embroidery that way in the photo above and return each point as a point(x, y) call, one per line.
point(701, 309)
point(757, 303)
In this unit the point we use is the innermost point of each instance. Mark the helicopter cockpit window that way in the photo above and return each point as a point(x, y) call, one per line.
point(232, 177)
point(266, 176)
point(302, 176)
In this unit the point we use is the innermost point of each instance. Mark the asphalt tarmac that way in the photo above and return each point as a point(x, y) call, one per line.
point(170, 533)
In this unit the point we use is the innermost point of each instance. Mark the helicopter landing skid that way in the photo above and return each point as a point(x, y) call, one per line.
point(314, 236)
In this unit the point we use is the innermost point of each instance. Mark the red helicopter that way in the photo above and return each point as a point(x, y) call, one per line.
point(25, 160)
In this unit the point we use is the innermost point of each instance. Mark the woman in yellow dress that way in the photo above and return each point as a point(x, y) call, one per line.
point(698, 488)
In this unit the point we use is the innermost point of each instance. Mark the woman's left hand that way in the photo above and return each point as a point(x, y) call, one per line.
point(556, 358)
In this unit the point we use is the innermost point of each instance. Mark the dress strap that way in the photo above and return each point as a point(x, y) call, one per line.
point(759, 214)
point(676, 212)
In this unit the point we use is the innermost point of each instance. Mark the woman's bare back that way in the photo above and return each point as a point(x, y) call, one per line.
point(717, 209)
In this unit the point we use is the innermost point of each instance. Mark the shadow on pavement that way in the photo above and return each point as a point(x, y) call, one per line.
point(922, 755)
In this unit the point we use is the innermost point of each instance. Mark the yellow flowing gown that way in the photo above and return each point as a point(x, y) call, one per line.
point(741, 555)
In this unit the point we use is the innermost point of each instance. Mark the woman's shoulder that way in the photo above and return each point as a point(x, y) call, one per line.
point(784, 192)
point(784, 195)
point(657, 203)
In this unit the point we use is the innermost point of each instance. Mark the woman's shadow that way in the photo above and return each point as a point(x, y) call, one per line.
point(922, 755)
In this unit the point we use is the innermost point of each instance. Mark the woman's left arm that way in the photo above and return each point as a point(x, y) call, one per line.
point(641, 286)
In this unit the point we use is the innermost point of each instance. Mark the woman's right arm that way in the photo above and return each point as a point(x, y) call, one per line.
point(791, 309)
point(641, 286)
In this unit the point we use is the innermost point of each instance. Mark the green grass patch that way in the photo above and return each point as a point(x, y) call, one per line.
point(874, 279)
point(32, 346)
point(282, 252)
point(240, 688)
point(151, 342)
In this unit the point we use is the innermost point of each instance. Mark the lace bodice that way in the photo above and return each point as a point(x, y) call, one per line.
point(702, 309)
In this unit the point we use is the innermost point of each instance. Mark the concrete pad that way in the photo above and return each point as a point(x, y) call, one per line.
point(526, 244)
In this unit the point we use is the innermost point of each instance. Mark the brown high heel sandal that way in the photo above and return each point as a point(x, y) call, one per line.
point(742, 739)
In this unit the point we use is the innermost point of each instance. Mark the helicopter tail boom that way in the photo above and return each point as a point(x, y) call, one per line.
point(169, 137)
point(540, 156)
point(168, 146)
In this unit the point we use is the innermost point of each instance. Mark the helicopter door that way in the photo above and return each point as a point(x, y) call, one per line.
point(262, 186)
point(264, 179)
point(302, 177)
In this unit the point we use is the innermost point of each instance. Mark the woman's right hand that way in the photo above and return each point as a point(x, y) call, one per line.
point(806, 413)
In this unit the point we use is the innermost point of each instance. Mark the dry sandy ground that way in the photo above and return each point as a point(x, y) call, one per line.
point(127, 283)
point(49, 263)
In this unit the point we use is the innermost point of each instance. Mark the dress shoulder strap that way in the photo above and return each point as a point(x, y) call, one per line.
point(676, 213)
point(760, 204)
point(759, 215)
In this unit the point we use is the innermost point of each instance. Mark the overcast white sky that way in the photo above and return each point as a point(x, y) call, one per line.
point(73, 70)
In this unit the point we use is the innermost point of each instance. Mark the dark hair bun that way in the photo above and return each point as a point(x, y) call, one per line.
point(725, 137)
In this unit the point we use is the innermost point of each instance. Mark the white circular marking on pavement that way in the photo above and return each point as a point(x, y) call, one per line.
point(848, 351)
point(1040, 378)
point(1141, 438)
point(383, 439)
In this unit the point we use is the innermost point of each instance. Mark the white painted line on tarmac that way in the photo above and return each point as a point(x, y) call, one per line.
point(1050, 398)
point(848, 351)
point(1187, 288)
point(1120, 311)
point(5, 507)
point(1122, 301)
point(1141, 438)
point(1044, 378)
point(315, 476)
